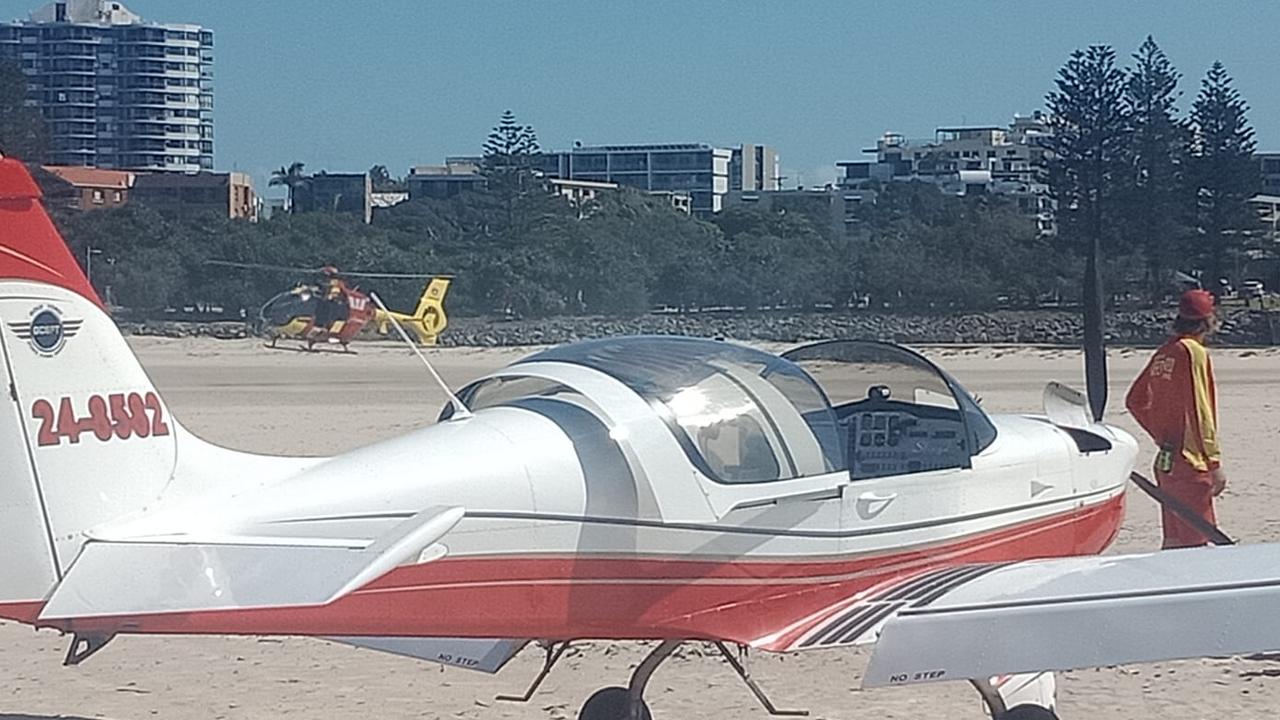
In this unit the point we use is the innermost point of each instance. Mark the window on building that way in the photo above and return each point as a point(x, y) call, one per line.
point(117, 196)
point(98, 197)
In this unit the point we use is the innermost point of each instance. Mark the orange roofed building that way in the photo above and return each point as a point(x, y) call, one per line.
point(92, 188)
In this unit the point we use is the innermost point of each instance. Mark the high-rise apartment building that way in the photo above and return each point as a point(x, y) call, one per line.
point(117, 91)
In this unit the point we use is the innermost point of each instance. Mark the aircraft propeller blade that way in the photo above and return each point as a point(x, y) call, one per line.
point(1095, 350)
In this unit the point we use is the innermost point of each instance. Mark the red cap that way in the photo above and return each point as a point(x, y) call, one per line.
point(1195, 305)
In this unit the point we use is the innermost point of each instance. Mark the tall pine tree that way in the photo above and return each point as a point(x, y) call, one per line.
point(510, 145)
point(1088, 148)
point(1223, 173)
point(1152, 191)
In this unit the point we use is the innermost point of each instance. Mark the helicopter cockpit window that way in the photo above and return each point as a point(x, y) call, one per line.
point(898, 412)
point(741, 415)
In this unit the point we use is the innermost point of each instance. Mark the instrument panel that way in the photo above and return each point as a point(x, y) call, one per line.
point(893, 442)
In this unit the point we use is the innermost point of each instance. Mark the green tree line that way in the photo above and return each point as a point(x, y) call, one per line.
point(532, 253)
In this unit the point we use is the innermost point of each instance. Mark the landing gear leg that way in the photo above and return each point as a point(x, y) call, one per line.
point(999, 709)
point(554, 651)
point(619, 703)
point(992, 698)
point(627, 703)
point(740, 667)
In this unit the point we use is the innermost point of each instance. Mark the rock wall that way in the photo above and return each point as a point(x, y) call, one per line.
point(1141, 328)
point(1011, 327)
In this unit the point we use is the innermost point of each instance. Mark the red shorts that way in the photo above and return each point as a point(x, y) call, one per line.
point(1193, 489)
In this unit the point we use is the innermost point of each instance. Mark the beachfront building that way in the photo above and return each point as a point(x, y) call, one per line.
point(228, 195)
point(839, 204)
point(350, 193)
point(754, 168)
point(1269, 164)
point(117, 91)
point(579, 192)
point(85, 188)
point(441, 182)
point(564, 176)
point(1004, 160)
point(704, 172)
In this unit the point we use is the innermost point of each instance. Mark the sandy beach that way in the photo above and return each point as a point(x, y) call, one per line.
point(238, 394)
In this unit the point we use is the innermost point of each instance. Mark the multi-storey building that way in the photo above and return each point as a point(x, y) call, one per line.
point(445, 181)
point(754, 167)
point(704, 172)
point(966, 160)
point(1269, 164)
point(116, 91)
point(226, 194)
point(86, 188)
point(350, 193)
point(840, 205)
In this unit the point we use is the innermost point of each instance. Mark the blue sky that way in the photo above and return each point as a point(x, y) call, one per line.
point(342, 86)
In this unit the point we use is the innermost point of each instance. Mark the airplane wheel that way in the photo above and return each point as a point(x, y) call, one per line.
point(610, 704)
point(1029, 712)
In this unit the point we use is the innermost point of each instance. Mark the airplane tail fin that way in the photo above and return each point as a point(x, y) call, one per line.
point(84, 436)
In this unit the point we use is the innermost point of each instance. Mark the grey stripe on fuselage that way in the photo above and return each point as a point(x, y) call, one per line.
point(729, 529)
point(610, 486)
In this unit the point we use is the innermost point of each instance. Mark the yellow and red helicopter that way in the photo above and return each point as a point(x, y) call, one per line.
point(334, 310)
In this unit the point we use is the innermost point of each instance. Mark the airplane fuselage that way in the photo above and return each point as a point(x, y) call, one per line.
point(584, 518)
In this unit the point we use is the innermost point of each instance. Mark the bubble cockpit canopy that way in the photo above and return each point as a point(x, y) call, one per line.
point(743, 415)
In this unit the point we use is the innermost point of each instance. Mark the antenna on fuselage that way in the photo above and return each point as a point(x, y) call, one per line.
point(460, 411)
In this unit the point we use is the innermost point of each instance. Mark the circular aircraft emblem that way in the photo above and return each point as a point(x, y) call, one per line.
point(46, 331)
point(47, 334)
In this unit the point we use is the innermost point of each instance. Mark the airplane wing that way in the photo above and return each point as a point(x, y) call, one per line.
point(979, 621)
point(178, 573)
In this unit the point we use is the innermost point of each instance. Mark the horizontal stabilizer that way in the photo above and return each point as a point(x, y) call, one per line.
point(470, 653)
point(146, 576)
point(1088, 612)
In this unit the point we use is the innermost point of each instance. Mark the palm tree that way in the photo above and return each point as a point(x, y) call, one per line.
point(292, 178)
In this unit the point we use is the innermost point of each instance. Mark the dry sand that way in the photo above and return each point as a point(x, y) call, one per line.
point(238, 394)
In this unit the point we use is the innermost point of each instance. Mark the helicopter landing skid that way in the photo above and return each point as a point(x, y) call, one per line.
point(319, 350)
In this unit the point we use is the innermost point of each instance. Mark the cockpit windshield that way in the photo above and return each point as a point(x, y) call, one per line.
point(898, 412)
point(742, 415)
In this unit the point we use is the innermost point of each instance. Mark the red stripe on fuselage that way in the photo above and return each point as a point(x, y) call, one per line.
point(619, 597)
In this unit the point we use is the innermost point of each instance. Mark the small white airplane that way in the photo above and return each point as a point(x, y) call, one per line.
point(668, 489)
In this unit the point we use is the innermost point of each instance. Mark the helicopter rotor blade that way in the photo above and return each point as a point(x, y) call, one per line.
point(344, 273)
point(409, 276)
point(261, 266)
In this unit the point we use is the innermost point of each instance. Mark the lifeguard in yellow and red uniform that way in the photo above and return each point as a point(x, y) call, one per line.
point(1175, 401)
